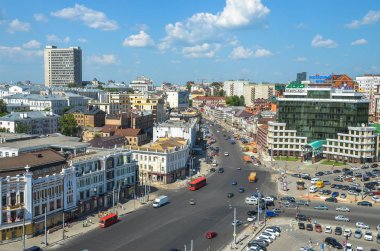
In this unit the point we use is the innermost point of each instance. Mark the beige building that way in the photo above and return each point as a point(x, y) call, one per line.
point(359, 145)
point(144, 102)
point(257, 91)
point(62, 66)
point(283, 142)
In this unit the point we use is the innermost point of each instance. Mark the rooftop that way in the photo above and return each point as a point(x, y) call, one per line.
point(35, 97)
point(108, 142)
point(27, 115)
point(162, 145)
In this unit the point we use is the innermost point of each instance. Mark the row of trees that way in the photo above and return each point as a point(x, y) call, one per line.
point(235, 101)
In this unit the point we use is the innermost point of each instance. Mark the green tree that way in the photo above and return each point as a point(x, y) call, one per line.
point(97, 135)
point(235, 101)
point(188, 85)
point(221, 93)
point(190, 103)
point(3, 129)
point(3, 108)
point(241, 101)
point(69, 126)
point(21, 128)
point(47, 109)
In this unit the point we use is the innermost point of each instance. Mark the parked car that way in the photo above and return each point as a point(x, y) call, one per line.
point(368, 236)
point(343, 209)
point(343, 195)
point(251, 218)
point(362, 225)
point(364, 203)
point(230, 195)
point(331, 199)
point(237, 223)
point(376, 198)
point(321, 207)
point(358, 233)
point(220, 170)
point(335, 194)
point(234, 183)
point(301, 225)
point(241, 190)
point(333, 242)
point(302, 202)
point(309, 227)
point(211, 234)
point(347, 232)
point(318, 228)
point(192, 202)
point(338, 231)
point(302, 217)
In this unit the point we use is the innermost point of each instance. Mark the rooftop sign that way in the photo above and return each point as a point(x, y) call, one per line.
point(318, 79)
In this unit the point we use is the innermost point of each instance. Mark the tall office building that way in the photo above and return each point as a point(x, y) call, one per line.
point(63, 66)
point(301, 76)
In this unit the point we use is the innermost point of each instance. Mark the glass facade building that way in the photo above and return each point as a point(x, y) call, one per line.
point(321, 113)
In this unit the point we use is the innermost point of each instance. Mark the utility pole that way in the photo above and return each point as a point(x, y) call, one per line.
point(113, 199)
point(46, 243)
point(63, 224)
point(258, 210)
point(23, 229)
point(235, 226)
point(191, 245)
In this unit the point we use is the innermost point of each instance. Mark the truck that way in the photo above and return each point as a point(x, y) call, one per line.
point(160, 201)
point(252, 177)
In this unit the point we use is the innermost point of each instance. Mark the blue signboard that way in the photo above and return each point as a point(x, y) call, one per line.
point(319, 79)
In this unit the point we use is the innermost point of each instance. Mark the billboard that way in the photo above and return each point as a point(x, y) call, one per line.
point(320, 79)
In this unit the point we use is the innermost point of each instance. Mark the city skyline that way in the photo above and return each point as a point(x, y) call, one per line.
point(176, 42)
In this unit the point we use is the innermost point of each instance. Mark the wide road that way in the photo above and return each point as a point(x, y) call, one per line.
point(176, 224)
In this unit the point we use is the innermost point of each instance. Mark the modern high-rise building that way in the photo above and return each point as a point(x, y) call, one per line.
point(301, 76)
point(63, 66)
point(234, 87)
point(257, 91)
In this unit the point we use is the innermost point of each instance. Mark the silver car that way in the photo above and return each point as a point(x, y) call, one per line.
point(343, 209)
point(342, 218)
point(362, 225)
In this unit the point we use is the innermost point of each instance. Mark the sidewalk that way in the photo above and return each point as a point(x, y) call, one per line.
point(77, 228)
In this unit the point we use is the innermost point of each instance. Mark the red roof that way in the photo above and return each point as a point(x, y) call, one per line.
point(131, 132)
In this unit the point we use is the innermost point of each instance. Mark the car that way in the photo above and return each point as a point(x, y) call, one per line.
point(321, 207)
point(269, 199)
point(338, 231)
point(237, 222)
point(251, 218)
point(374, 165)
point(212, 170)
point(335, 194)
point(326, 182)
point(364, 203)
point(342, 209)
point(328, 229)
point(338, 179)
point(278, 210)
point(234, 183)
point(317, 174)
point(347, 232)
point(333, 185)
point(226, 154)
point(309, 227)
point(192, 202)
point(318, 228)
point(210, 234)
point(230, 195)
point(378, 227)
point(302, 203)
point(220, 170)
point(337, 171)
point(348, 247)
point(241, 190)
point(302, 217)
point(268, 235)
point(33, 248)
point(331, 199)
point(272, 231)
point(368, 236)
point(362, 225)
point(326, 192)
point(333, 242)
point(288, 198)
point(277, 228)
point(327, 172)
point(378, 237)
point(342, 218)
point(251, 213)
point(354, 168)
point(265, 238)
point(376, 198)
point(301, 225)
point(358, 233)
point(238, 168)
point(343, 196)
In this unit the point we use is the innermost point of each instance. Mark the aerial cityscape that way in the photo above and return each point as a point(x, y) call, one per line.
point(190, 125)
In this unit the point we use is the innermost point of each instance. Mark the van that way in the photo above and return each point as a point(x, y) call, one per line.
point(320, 184)
point(314, 180)
point(251, 201)
point(160, 201)
point(313, 189)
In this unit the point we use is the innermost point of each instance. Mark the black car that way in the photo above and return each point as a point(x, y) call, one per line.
point(338, 231)
point(220, 170)
point(333, 242)
point(296, 175)
point(338, 179)
point(345, 169)
point(212, 170)
point(251, 213)
point(301, 226)
point(302, 202)
point(374, 165)
point(302, 217)
point(309, 227)
point(344, 187)
point(364, 203)
point(317, 174)
point(331, 199)
point(326, 192)
point(338, 186)
point(288, 198)
point(333, 185)
point(337, 171)
point(230, 195)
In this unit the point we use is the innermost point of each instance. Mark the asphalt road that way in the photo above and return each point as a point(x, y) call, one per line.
point(177, 223)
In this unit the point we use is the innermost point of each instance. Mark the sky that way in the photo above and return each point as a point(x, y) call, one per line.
point(193, 40)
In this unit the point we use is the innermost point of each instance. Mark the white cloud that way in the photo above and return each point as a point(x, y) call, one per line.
point(82, 40)
point(361, 41)
point(318, 41)
point(16, 25)
point(300, 59)
point(202, 27)
point(301, 26)
point(105, 59)
point(204, 50)
point(261, 53)
point(91, 18)
point(19, 53)
point(371, 17)
point(241, 53)
point(32, 44)
point(143, 27)
point(40, 17)
point(139, 40)
point(55, 38)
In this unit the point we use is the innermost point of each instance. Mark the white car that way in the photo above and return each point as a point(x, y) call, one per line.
point(343, 209)
point(267, 238)
point(226, 154)
point(355, 168)
point(271, 235)
point(328, 230)
point(342, 218)
point(362, 225)
point(269, 199)
point(376, 198)
point(251, 218)
point(368, 236)
point(272, 231)
point(347, 232)
point(359, 249)
point(348, 247)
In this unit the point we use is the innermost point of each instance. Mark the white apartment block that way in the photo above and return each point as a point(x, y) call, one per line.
point(63, 66)
point(163, 161)
point(37, 122)
point(178, 99)
point(368, 84)
point(359, 145)
point(235, 87)
point(141, 84)
point(176, 129)
point(283, 142)
point(257, 91)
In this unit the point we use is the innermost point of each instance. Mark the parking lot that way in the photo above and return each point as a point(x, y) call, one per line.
point(293, 239)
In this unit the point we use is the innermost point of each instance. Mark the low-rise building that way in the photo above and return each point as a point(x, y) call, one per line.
point(163, 161)
point(142, 84)
point(200, 101)
point(34, 122)
point(88, 116)
point(134, 137)
point(176, 129)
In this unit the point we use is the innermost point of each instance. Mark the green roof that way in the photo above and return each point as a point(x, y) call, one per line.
point(317, 144)
point(377, 126)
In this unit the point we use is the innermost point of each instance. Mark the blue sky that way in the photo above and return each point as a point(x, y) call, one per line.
point(176, 41)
